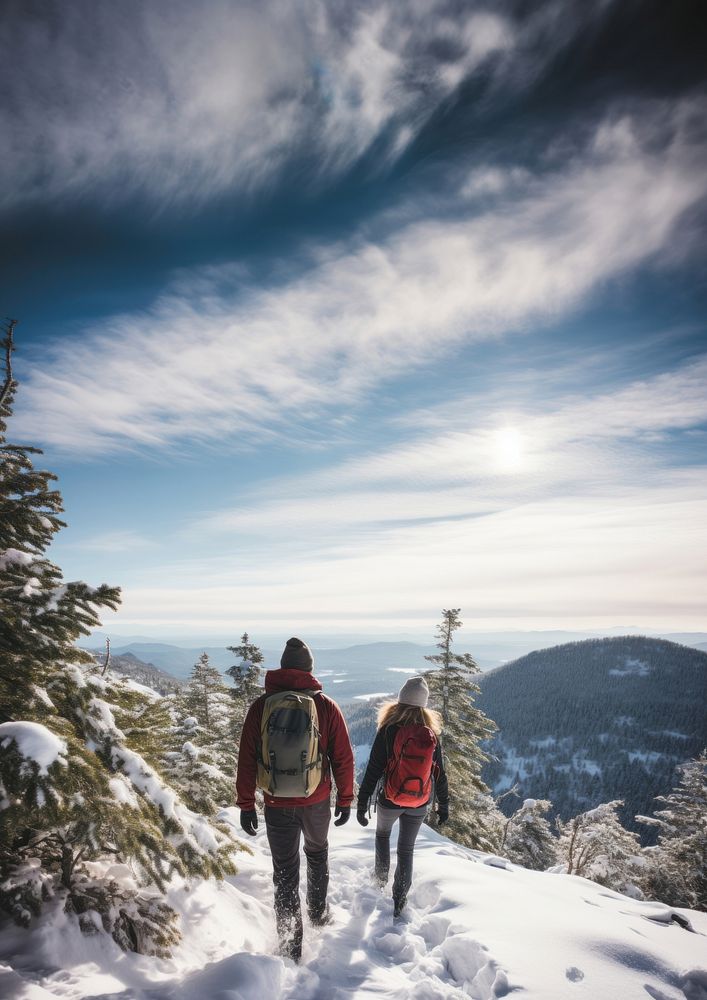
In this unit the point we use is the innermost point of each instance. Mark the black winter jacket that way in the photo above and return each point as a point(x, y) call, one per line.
point(381, 751)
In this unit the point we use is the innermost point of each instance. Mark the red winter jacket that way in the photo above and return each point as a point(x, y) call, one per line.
point(333, 740)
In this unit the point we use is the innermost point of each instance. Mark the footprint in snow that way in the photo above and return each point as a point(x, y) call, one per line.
point(402, 948)
point(694, 984)
point(470, 968)
point(495, 862)
point(433, 930)
point(363, 903)
point(574, 974)
point(426, 894)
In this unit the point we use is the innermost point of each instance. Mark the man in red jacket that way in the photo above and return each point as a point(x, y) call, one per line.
point(286, 819)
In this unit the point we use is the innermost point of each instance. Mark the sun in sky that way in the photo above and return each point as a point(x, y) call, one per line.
point(309, 294)
point(509, 450)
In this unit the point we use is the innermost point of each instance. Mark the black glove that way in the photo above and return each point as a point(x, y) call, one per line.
point(249, 821)
point(442, 813)
point(361, 815)
point(343, 812)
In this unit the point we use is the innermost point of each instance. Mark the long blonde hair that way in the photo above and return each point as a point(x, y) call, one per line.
point(393, 713)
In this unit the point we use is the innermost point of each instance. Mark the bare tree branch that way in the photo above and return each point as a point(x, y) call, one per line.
point(9, 383)
point(107, 659)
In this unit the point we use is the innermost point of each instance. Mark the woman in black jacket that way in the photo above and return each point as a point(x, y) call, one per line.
point(410, 709)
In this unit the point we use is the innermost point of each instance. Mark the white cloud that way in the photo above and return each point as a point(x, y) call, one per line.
point(555, 442)
point(208, 364)
point(587, 449)
point(183, 103)
point(634, 559)
point(115, 542)
point(608, 531)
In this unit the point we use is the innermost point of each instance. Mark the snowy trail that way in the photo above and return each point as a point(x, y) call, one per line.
point(476, 926)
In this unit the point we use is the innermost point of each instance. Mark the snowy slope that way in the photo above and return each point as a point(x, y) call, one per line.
point(476, 926)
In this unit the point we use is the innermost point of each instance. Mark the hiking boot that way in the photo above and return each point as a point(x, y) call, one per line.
point(322, 918)
point(380, 878)
point(291, 947)
point(399, 906)
point(290, 934)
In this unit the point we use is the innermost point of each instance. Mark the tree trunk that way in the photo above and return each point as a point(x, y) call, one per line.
point(67, 865)
point(445, 686)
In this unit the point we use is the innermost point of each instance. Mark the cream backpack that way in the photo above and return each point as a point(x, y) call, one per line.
point(289, 755)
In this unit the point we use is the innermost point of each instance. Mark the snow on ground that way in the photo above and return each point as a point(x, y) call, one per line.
point(476, 926)
point(632, 668)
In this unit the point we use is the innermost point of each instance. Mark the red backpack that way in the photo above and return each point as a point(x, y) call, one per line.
point(410, 769)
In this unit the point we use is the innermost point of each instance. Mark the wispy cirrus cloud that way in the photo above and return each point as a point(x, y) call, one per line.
point(589, 523)
point(635, 558)
point(181, 105)
point(184, 104)
point(115, 542)
point(209, 363)
point(484, 463)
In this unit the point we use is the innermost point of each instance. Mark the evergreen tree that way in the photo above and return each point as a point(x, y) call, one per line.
point(145, 720)
point(40, 615)
point(528, 839)
point(571, 712)
point(207, 699)
point(202, 761)
point(193, 771)
point(474, 819)
point(596, 846)
point(677, 865)
point(77, 803)
point(247, 684)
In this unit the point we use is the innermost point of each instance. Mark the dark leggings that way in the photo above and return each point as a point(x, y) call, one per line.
point(410, 822)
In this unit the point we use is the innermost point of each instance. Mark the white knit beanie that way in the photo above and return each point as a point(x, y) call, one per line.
point(414, 692)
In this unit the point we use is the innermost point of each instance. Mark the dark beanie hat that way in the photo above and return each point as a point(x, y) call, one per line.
point(296, 656)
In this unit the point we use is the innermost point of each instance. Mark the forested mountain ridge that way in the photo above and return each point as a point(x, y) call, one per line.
point(128, 665)
point(592, 721)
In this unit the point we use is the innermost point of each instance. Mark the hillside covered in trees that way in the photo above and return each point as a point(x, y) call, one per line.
point(592, 721)
point(128, 665)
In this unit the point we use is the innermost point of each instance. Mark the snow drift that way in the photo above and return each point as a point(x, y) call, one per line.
point(477, 926)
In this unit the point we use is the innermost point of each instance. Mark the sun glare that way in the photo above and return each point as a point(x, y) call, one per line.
point(509, 450)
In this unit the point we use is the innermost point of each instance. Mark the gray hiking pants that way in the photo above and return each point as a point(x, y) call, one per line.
point(284, 827)
point(410, 822)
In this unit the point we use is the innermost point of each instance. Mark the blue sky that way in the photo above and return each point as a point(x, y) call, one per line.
point(334, 315)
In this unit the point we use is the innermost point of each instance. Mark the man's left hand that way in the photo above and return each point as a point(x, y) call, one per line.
point(343, 812)
point(249, 821)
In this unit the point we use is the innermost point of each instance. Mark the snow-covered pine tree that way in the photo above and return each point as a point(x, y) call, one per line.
point(247, 683)
point(144, 717)
point(595, 845)
point(77, 804)
point(677, 866)
point(206, 698)
point(474, 818)
point(528, 839)
point(192, 770)
point(40, 615)
point(202, 761)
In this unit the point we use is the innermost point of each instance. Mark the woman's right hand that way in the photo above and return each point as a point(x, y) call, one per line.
point(361, 816)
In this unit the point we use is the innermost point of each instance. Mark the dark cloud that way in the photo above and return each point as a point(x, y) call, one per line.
point(143, 137)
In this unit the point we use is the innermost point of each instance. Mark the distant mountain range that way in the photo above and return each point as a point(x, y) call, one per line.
point(362, 669)
point(148, 674)
point(579, 723)
point(348, 673)
point(591, 721)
